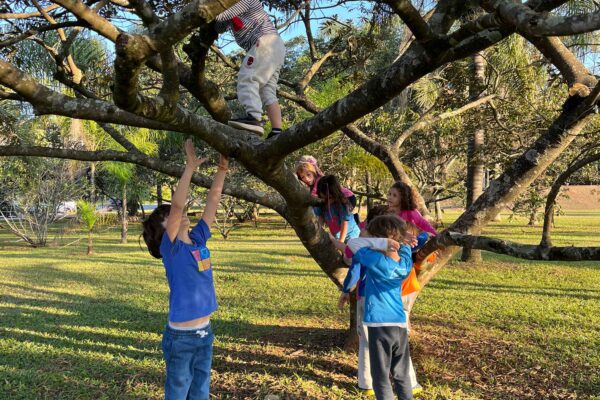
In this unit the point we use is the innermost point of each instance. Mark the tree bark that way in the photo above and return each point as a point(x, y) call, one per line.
point(90, 246)
point(475, 164)
point(124, 215)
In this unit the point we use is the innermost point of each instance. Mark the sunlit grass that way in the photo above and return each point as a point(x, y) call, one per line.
point(78, 327)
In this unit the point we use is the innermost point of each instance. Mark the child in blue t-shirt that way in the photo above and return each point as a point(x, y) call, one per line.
point(384, 314)
point(336, 210)
point(188, 337)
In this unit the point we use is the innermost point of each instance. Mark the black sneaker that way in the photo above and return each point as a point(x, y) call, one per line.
point(247, 123)
point(273, 133)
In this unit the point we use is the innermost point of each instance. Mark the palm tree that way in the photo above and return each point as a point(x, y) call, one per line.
point(122, 173)
point(86, 213)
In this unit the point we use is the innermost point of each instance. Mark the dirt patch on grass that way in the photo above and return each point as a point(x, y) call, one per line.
point(491, 368)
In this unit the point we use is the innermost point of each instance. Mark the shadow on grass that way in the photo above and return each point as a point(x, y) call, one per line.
point(577, 293)
point(70, 346)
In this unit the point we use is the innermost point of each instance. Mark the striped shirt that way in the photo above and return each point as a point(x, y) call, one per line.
point(248, 21)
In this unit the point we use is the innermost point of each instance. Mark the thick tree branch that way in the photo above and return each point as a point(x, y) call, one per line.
point(206, 91)
point(226, 140)
point(413, 19)
point(524, 251)
point(527, 21)
point(272, 201)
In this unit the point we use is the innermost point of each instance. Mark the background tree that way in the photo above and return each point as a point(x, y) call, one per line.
point(87, 215)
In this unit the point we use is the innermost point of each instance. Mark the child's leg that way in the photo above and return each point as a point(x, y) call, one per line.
point(200, 389)
point(178, 354)
point(407, 302)
point(380, 355)
point(263, 60)
point(364, 366)
point(248, 84)
point(275, 55)
point(400, 364)
point(274, 114)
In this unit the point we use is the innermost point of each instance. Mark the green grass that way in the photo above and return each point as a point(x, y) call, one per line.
point(77, 327)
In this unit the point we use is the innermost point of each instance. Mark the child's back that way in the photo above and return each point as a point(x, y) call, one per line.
point(383, 277)
point(384, 313)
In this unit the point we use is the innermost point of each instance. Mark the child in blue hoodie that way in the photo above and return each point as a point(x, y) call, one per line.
point(384, 314)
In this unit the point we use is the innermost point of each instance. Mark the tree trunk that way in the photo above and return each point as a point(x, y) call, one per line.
point(124, 215)
point(475, 164)
point(438, 210)
point(351, 342)
point(90, 246)
point(369, 183)
point(533, 217)
point(159, 198)
point(93, 183)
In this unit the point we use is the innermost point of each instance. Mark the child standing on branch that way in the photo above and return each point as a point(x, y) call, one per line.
point(259, 73)
point(188, 338)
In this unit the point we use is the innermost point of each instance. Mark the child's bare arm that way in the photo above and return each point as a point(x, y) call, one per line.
point(214, 194)
point(181, 193)
point(343, 299)
point(343, 231)
point(336, 243)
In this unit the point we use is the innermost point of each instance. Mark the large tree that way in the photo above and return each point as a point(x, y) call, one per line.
point(154, 85)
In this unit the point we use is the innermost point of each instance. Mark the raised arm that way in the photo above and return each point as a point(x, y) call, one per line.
point(214, 194)
point(417, 219)
point(237, 9)
point(343, 231)
point(181, 193)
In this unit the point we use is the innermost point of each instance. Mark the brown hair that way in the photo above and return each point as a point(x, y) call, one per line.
point(153, 229)
point(375, 211)
point(308, 163)
point(407, 197)
point(387, 226)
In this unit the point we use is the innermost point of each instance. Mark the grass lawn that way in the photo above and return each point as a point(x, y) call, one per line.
point(77, 327)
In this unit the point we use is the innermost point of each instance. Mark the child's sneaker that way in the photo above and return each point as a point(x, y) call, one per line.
point(367, 392)
point(274, 132)
point(247, 123)
point(417, 389)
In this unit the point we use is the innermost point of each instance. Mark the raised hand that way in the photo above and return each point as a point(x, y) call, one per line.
point(223, 162)
point(190, 154)
point(393, 245)
point(410, 239)
point(344, 298)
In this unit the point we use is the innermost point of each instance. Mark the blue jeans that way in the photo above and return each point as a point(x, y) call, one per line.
point(188, 355)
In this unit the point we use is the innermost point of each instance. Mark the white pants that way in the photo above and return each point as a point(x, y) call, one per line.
point(259, 73)
point(364, 366)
